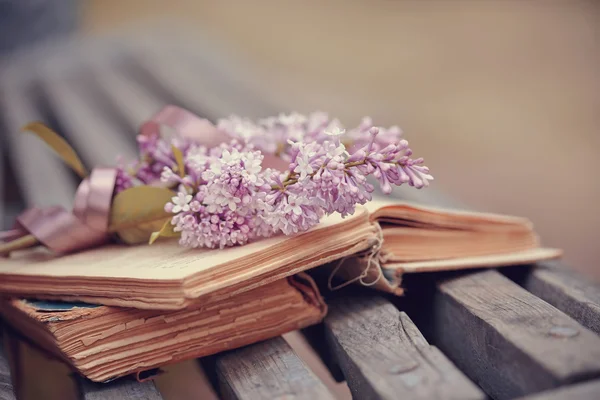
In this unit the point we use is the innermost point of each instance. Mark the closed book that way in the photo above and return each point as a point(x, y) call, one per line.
point(105, 342)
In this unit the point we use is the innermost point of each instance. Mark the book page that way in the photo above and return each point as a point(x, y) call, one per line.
point(164, 260)
point(409, 213)
point(499, 260)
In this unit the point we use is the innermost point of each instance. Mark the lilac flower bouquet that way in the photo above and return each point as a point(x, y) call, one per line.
point(225, 196)
point(221, 185)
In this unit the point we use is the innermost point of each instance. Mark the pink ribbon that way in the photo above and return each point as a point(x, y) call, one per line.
point(87, 225)
point(186, 124)
point(63, 231)
point(200, 130)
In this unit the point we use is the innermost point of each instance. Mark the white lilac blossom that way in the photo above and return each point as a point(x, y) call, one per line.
point(225, 197)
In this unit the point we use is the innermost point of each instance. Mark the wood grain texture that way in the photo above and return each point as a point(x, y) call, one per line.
point(582, 391)
point(566, 290)
point(384, 356)
point(267, 370)
point(508, 340)
point(117, 390)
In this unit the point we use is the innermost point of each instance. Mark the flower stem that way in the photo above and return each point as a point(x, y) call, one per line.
point(355, 164)
point(293, 177)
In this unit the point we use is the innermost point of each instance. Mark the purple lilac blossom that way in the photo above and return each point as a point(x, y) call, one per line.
point(227, 198)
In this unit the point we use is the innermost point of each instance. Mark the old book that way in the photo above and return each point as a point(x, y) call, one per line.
point(104, 342)
point(166, 276)
point(418, 239)
point(390, 238)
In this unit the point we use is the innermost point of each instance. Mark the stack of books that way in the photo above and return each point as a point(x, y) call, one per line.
point(119, 310)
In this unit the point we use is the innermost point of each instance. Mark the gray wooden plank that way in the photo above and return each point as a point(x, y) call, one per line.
point(118, 390)
point(506, 339)
point(89, 126)
point(192, 88)
point(566, 290)
point(134, 101)
point(3, 202)
point(202, 79)
point(582, 391)
point(267, 370)
point(36, 167)
point(384, 356)
point(6, 386)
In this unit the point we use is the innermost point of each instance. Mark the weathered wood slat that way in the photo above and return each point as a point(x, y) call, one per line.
point(231, 79)
point(35, 167)
point(582, 391)
point(384, 356)
point(3, 204)
point(508, 340)
point(133, 101)
point(89, 127)
point(190, 88)
point(6, 386)
point(118, 390)
point(566, 290)
point(203, 84)
point(267, 370)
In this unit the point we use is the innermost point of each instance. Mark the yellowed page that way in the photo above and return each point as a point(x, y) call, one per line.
point(516, 258)
point(160, 261)
point(389, 208)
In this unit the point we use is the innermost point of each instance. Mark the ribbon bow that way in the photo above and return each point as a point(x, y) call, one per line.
point(65, 231)
point(87, 225)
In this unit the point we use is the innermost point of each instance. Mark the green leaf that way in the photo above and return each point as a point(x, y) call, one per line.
point(59, 145)
point(165, 231)
point(179, 159)
point(138, 212)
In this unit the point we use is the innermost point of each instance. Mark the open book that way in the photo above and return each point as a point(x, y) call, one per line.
point(103, 342)
point(419, 239)
point(166, 276)
point(408, 238)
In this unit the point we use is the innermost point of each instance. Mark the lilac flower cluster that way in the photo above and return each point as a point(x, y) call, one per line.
point(225, 197)
point(155, 154)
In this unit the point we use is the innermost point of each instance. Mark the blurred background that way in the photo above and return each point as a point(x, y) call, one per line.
point(501, 98)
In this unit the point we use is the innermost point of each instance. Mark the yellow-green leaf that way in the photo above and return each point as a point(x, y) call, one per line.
point(165, 231)
point(179, 159)
point(21, 243)
point(59, 145)
point(139, 211)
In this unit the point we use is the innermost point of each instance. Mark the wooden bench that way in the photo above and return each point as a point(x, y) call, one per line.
point(529, 332)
